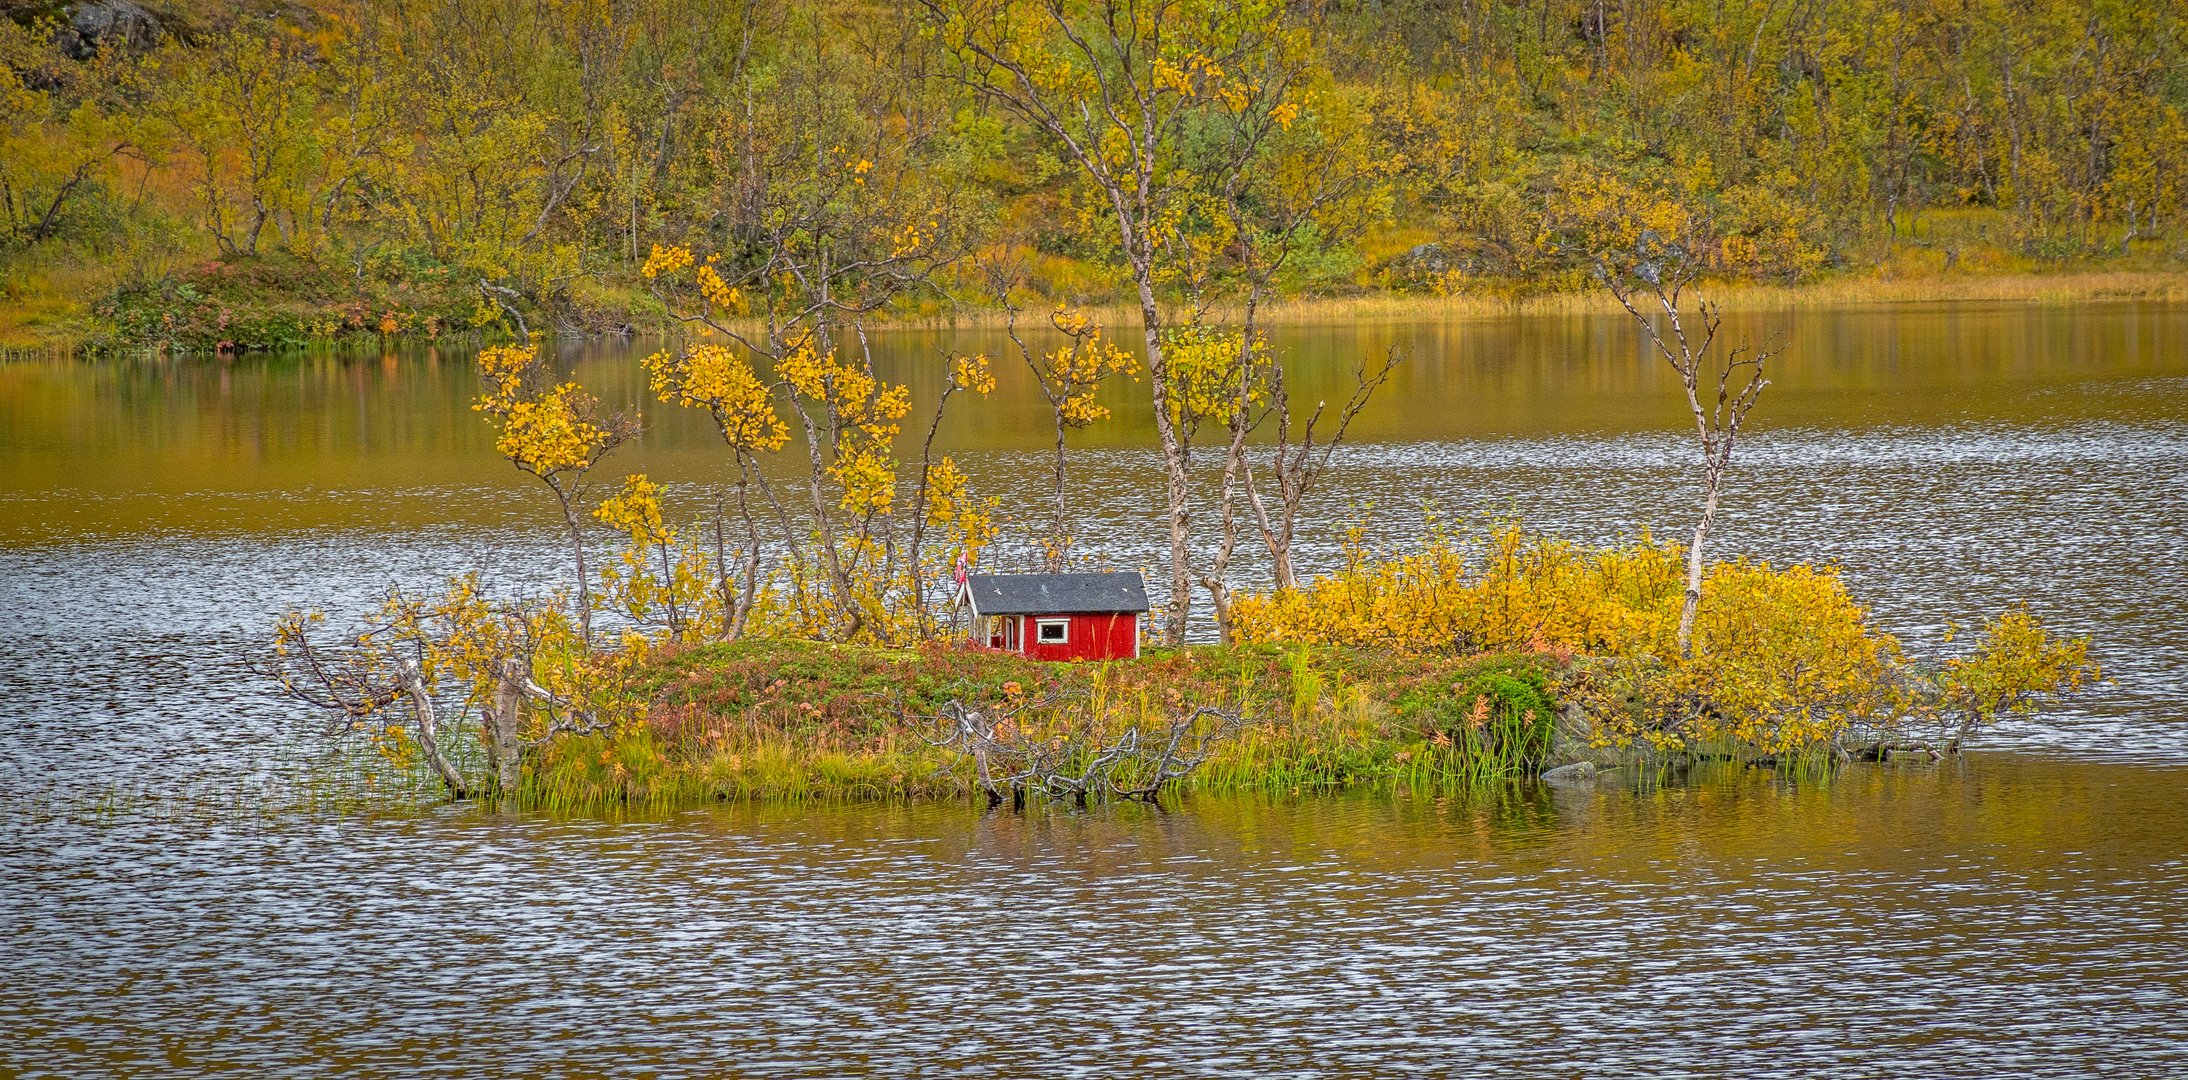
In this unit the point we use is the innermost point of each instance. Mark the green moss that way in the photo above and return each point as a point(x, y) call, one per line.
point(1504, 700)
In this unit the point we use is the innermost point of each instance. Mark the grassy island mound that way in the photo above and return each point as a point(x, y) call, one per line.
point(1468, 661)
point(1456, 665)
point(788, 719)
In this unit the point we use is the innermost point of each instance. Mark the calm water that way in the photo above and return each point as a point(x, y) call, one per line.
point(2020, 911)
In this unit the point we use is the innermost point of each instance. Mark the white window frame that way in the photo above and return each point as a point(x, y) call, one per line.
point(1041, 628)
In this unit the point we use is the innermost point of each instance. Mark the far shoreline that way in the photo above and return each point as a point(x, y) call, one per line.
point(2065, 287)
point(1840, 293)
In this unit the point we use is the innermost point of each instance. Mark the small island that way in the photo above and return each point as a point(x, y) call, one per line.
point(854, 655)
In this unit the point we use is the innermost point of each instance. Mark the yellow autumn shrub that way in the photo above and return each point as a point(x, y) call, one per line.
point(1784, 659)
point(1505, 590)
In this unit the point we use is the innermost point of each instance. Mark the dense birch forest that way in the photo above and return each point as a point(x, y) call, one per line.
point(193, 172)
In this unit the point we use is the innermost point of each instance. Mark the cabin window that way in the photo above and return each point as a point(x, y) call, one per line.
point(1052, 631)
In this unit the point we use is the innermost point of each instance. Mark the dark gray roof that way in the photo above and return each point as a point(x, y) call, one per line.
point(1055, 594)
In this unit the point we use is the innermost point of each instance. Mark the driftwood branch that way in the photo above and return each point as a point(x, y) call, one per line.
point(1080, 764)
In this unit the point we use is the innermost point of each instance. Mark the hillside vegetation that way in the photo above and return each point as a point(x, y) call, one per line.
point(201, 174)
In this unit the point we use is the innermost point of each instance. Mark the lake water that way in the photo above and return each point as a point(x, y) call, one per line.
point(2019, 911)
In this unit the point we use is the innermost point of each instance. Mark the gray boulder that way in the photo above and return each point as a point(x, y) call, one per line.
point(109, 23)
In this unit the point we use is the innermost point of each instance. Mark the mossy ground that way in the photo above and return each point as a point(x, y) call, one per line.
point(793, 720)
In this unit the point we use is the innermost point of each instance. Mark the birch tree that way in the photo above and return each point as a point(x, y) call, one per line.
point(836, 198)
point(1721, 383)
point(1119, 90)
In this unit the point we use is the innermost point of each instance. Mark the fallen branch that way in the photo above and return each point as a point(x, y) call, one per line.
point(1080, 765)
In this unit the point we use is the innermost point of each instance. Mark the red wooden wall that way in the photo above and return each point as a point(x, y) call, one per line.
point(1097, 636)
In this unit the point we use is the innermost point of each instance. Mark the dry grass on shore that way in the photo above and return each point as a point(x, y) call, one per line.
point(2024, 288)
point(43, 326)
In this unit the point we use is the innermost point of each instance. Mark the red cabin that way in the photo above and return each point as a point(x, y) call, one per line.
point(1059, 616)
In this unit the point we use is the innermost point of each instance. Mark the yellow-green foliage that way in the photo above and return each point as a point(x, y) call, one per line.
point(634, 769)
point(1784, 660)
point(1505, 590)
point(382, 158)
point(2017, 666)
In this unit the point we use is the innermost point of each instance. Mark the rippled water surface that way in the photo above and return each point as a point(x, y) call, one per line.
point(1993, 918)
point(2020, 911)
